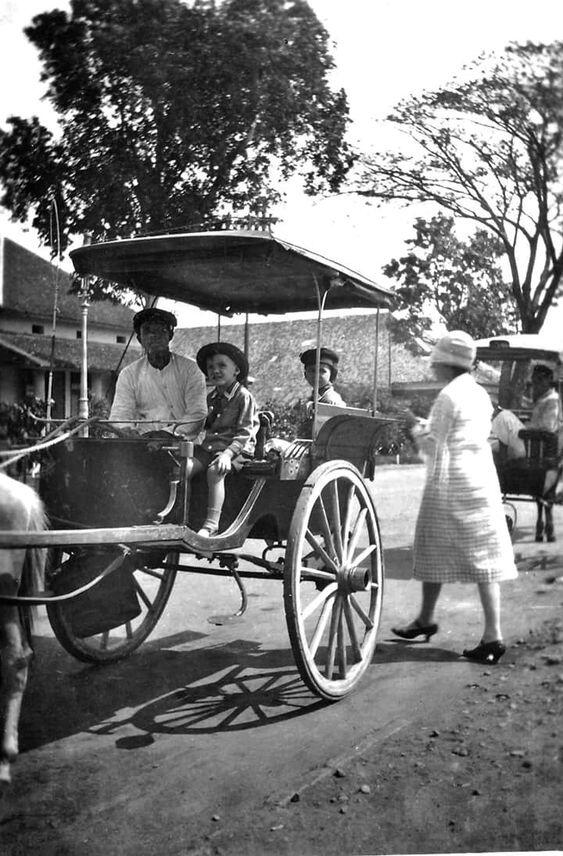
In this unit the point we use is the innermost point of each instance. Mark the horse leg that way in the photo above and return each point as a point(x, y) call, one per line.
point(549, 530)
point(539, 522)
point(20, 571)
point(15, 655)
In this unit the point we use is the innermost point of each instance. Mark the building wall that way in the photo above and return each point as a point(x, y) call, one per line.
point(63, 331)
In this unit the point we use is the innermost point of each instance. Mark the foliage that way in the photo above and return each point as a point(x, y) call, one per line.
point(22, 420)
point(288, 418)
point(489, 149)
point(99, 408)
point(18, 428)
point(172, 114)
point(458, 281)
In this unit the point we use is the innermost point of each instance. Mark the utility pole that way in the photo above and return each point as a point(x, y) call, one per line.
point(85, 303)
point(246, 336)
point(375, 361)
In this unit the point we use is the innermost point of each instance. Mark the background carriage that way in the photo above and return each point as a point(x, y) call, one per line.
point(124, 513)
point(533, 478)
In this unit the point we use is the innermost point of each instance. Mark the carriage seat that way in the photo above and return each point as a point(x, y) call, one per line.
point(541, 447)
point(281, 458)
point(527, 475)
point(260, 464)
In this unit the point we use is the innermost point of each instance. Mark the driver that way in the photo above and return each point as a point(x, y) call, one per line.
point(161, 388)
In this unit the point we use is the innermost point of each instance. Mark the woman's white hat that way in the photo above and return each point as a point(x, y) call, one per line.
point(454, 349)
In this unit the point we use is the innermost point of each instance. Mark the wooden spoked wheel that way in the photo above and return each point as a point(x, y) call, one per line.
point(152, 586)
point(333, 584)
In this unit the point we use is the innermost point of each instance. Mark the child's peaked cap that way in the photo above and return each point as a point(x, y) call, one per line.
point(328, 357)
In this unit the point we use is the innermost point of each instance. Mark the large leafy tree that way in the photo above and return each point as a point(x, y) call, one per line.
point(489, 149)
point(442, 278)
point(172, 113)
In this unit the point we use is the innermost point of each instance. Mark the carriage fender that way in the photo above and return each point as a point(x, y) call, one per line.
point(351, 438)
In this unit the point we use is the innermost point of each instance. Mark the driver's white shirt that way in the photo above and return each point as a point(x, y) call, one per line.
point(161, 398)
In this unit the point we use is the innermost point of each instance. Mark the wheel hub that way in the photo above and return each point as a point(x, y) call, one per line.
point(353, 579)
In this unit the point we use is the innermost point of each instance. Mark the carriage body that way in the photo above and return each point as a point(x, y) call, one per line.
point(534, 477)
point(126, 510)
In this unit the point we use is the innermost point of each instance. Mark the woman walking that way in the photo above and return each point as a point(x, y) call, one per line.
point(461, 533)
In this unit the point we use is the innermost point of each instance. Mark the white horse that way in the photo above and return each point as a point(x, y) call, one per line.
point(21, 571)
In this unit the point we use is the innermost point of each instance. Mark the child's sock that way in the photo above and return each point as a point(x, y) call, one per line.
point(211, 522)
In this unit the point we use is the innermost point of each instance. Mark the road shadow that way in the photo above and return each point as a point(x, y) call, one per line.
point(238, 699)
point(402, 651)
point(216, 680)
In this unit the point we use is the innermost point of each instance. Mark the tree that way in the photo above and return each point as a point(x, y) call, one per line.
point(172, 113)
point(444, 278)
point(489, 149)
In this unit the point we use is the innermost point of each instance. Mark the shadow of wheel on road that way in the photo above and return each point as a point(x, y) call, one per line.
point(235, 680)
point(235, 699)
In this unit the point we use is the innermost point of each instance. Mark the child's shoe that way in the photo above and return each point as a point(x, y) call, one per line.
point(207, 532)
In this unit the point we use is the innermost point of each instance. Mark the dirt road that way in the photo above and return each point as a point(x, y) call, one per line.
point(205, 741)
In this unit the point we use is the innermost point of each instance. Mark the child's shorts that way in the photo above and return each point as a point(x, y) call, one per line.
point(205, 457)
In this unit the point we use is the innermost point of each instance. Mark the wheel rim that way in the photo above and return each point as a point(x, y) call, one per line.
point(334, 580)
point(152, 586)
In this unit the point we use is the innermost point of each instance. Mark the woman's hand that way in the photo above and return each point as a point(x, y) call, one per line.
point(410, 419)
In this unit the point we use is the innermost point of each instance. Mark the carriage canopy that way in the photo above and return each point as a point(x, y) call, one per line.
point(229, 272)
point(521, 346)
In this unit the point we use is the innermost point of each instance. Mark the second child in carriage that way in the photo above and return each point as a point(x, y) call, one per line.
point(230, 427)
point(328, 371)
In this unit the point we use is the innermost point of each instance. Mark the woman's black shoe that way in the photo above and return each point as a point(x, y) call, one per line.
point(486, 652)
point(417, 629)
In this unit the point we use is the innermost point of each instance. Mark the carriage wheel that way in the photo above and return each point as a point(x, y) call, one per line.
point(152, 586)
point(333, 584)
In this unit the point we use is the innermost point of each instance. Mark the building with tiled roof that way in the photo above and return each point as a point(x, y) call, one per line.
point(28, 287)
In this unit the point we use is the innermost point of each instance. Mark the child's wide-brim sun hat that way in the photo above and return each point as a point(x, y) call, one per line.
point(231, 351)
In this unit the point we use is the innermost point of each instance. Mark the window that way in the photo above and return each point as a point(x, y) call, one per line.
point(79, 334)
point(37, 328)
point(120, 340)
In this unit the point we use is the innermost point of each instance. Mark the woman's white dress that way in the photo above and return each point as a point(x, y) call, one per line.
point(461, 533)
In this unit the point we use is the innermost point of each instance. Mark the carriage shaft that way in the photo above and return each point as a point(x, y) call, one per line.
point(169, 534)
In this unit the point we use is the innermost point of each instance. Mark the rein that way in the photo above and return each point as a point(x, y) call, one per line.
point(12, 457)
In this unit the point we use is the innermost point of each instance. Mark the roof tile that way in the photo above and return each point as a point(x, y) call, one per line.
point(29, 289)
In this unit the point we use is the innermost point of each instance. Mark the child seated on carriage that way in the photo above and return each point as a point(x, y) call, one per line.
point(328, 371)
point(230, 427)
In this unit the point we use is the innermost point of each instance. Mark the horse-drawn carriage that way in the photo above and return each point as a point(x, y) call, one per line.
point(124, 513)
point(533, 477)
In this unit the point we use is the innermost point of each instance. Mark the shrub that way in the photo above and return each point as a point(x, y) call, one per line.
point(289, 419)
point(17, 420)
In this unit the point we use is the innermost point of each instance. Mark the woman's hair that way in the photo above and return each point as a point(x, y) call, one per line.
point(457, 370)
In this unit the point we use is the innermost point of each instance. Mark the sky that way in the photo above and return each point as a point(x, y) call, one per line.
point(384, 51)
